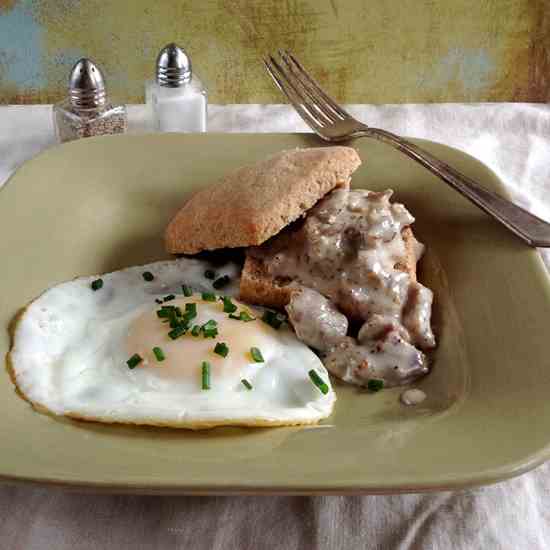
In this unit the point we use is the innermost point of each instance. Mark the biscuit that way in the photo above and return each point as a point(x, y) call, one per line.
point(254, 203)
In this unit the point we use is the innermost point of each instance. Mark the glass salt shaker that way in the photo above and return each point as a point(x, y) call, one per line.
point(87, 111)
point(176, 100)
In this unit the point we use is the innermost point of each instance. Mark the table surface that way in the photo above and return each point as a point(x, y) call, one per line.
point(513, 140)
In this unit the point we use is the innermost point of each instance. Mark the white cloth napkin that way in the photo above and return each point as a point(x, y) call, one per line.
point(513, 140)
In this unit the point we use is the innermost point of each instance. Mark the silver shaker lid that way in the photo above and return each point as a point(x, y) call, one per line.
point(87, 85)
point(173, 66)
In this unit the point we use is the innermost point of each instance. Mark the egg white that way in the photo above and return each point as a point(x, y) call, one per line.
point(70, 349)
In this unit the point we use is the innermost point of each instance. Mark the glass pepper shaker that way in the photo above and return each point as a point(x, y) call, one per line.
point(176, 100)
point(87, 111)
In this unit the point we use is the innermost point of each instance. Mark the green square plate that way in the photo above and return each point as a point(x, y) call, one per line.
point(101, 204)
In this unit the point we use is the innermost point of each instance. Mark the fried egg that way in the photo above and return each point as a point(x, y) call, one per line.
point(99, 348)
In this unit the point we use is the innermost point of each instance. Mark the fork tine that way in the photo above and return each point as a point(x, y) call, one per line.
point(292, 97)
point(318, 102)
point(302, 99)
point(331, 103)
point(301, 106)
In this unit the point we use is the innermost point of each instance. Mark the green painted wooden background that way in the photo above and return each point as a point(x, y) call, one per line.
point(375, 51)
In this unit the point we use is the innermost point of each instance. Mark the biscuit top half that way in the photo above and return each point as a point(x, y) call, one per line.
point(252, 204)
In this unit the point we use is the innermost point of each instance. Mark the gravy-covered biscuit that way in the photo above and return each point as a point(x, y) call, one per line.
point(259, 287)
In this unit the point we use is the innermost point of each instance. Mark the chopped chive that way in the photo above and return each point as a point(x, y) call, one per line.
point(187, 290)
point(208, 296)
point(147, 276)
point(210, 274)
point(243, 316)
point(246, 317)
point(205, 367)
point(159, 354)
point(168, 298)
point(220, 282)
point(228, 305)
point(190, 311)
point(174, 323)
point(172, 314)
point(318, 381)
point(273, 319)
point(246, 384)
point(97, 284)
point(374, 384)
point(221, 349)
point(134, 361)
point(196, 330)
point(256, 355)
point(180, 330)
point(209, 325)
point(158, 301)
point(210, 329)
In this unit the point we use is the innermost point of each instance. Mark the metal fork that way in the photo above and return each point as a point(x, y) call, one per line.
point(332, 123)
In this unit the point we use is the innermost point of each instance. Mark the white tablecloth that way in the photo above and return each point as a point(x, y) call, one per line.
point(514, 140)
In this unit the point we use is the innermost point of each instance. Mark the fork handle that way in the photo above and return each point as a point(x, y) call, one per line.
point(531, 229)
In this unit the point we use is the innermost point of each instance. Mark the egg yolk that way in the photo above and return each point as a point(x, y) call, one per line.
point(185, 354)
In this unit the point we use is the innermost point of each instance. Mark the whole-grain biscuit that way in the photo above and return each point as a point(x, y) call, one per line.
point(250, 205)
